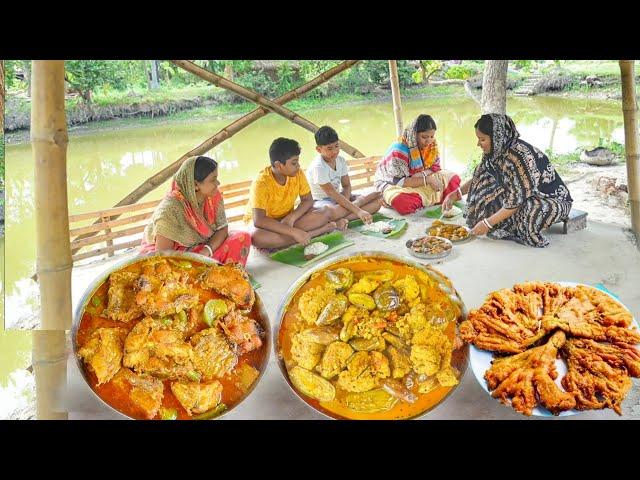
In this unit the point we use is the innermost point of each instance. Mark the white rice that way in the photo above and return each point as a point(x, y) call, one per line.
point(316, 248)
point(377, 226)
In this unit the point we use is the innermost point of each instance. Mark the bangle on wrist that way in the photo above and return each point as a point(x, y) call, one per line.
point(486, 222)
point(209, 248)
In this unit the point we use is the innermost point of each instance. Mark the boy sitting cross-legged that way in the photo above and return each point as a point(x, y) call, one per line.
point(330, 185)
point(272, 197)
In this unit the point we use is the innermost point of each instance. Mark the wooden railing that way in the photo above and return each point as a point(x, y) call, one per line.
point(98, 238)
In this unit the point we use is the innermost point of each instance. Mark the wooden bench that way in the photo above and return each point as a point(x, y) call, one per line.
point(577, 220)
point(126, 223)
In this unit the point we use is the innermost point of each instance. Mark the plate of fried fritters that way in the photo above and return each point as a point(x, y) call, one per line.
point(558, 348)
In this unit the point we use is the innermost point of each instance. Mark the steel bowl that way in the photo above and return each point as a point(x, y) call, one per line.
point(430, 256)
point(263, 318)
point(460, 356)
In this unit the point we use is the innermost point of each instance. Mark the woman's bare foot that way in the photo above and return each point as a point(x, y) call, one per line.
point(342, 224)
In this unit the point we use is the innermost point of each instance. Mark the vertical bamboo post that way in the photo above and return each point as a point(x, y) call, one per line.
point(49, 363)
point(49, 144)
point(107, 230)
point(630, 113)
point(395, 93)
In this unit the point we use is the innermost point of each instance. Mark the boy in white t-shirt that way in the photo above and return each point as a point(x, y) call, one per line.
point(328, 178)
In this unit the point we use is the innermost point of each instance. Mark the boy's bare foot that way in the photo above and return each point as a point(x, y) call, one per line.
point(342, 224)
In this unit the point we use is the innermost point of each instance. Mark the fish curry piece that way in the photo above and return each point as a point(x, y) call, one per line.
point(150, 351)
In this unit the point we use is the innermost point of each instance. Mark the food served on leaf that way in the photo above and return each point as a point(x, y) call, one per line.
point(429, 245)
point(380, 226)
point(599, 348)
point(452, 212)
point(371, 338)
point(314, 249)
point(173, 338)
point(450, 231)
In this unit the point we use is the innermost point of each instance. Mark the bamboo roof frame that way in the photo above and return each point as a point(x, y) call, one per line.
point(255, 97)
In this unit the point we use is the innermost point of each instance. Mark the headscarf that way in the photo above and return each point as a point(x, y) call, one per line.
point(180, 217)
point(418, 158)
point(503, 136)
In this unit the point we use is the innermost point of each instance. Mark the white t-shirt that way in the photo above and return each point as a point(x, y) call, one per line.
point(319, 173)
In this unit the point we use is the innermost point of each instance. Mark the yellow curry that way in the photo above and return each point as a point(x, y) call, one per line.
point(369, 338)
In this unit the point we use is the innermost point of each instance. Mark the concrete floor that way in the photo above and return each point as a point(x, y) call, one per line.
point(600, 254)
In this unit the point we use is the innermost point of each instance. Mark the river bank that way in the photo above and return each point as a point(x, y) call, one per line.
point(206, 103)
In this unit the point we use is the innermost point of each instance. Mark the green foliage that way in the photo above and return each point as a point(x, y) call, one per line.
point(85, 76)
point(461, 72)
point(560, 160)
point(525, 65)
point(471, 166)
point(430, 67)
point(617, 148)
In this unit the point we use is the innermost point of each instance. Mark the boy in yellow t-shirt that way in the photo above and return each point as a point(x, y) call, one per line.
point(272, 199)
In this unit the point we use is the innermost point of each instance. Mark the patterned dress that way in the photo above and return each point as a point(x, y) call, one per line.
point(517, 175)
point(404, 159)
point(191, 224)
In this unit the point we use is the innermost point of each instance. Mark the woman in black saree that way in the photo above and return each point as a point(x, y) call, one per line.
point(515, 192)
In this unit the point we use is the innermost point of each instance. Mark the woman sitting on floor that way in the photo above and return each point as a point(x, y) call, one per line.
point(192, 218)
point(409, 175)
point(515, 192)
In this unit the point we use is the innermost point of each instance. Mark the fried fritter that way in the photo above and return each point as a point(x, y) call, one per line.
point(598, 373)
point(520, 380)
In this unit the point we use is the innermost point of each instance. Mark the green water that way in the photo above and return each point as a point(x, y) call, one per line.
point(105, 165)
point(15, 352)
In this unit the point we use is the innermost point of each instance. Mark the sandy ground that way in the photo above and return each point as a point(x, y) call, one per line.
point(585, 197)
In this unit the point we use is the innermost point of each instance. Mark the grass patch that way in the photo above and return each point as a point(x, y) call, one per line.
point(592, 67)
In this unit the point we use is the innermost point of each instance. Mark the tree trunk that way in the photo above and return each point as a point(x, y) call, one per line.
point(494, 87)
point(155, 67)
point(553, 134)
point(27, 75)
point(228, 71)
point(425, 78)
point(630, 113)
point(49, 143)
point(395, 95)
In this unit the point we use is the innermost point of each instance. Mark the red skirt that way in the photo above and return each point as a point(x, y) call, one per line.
point(235, 248)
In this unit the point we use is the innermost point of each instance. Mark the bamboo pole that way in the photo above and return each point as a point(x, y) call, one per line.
point(395, 93)
point(259, 99)
point(49, 144)
point(49, 365)
point(163, 175)
point(630, 113)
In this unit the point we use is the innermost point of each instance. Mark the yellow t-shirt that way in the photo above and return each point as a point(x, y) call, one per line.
point(275, 199)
